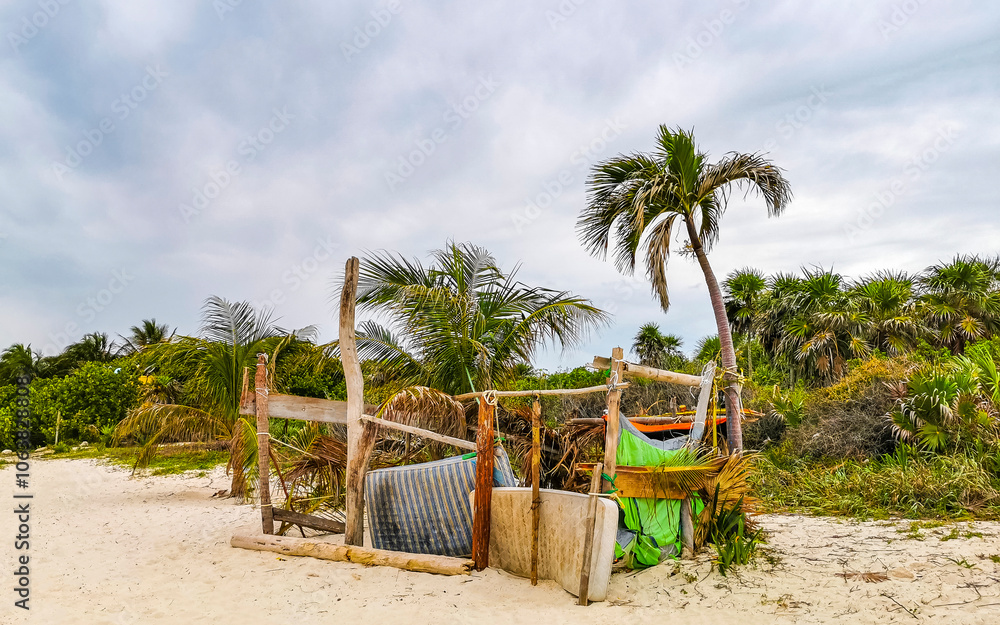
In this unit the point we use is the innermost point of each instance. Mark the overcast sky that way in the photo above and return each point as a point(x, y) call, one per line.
point(155, 153)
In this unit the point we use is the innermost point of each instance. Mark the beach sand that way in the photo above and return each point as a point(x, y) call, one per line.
point(108, 548)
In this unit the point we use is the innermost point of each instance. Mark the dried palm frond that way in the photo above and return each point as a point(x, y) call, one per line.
point(726, 490)
point(426, 408)
point(685, 471)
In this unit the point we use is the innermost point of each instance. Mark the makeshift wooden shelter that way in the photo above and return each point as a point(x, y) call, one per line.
point(362, 430)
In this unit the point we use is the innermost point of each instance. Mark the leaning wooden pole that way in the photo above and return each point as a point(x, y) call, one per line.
point(263, 445)
point(357, 458)
point(536, 500)
point(588, 540)
point(613, 427)
point(484, 485)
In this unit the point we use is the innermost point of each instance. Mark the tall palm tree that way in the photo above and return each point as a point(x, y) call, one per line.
point(961, 300)
point(461, 323)
point(231, 336)
point(641, 197)
point(656, 349)
point(146, 334)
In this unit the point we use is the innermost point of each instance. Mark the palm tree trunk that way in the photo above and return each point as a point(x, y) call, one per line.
point(734, 428)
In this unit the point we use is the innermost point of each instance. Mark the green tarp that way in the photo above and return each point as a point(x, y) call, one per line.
point(656, 519)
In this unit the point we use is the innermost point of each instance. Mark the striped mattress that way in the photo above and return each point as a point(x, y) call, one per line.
point(424, 508)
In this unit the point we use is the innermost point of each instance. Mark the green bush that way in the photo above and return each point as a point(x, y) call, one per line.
point(84, 402)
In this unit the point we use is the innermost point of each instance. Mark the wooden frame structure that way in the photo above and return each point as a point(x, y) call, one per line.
point(360, 441)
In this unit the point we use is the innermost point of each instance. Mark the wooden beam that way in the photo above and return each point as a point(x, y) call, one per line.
point(614, 426)
point(263, 445)
point(357, 450)
point(588, 541)
point(450, 440)
point(304, 408)
point(289, 546)
point(536, 500)
point(632, 370)
point(308, 520)
point(551, 391)
point(484, 487)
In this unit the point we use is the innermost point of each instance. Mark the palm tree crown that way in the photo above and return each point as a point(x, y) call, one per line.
point(461, 323)
point(638, 199)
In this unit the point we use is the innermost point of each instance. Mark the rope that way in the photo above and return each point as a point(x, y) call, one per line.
point(614, 384)
point(490, 397)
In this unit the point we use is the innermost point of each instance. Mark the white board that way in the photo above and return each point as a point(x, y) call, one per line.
point(561, 533)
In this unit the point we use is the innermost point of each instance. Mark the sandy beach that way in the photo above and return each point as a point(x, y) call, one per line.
point(110, 549)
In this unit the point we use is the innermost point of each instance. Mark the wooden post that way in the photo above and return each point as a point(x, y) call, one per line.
point(613, 427)
point(357, 458)
point(484, 485)
point(536, 500)
point(687, 529)
point(588, 541)
point(263, 446)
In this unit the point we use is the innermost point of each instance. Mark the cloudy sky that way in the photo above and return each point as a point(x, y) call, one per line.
point(155, 153)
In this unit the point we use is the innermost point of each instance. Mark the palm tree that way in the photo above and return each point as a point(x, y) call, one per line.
point(146, 334)
point(885, 301)
point(961, 300)
point(641, 197)
point(461, 323)
point(662, 351)
point(817, 328)
point(746, 291)
point(17, 360)
point(232, 334)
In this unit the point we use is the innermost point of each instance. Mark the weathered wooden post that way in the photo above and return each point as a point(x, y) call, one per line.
point(263, 445)
point(588, 541)
point(484, 483)
point(613, 428)
point(357, 450)
point(536, 500)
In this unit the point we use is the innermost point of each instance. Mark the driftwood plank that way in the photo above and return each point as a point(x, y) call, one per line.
point(308, 520)
point(287, 545)
point(632, 370)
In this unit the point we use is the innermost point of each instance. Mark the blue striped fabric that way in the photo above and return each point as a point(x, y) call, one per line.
point(424, 508)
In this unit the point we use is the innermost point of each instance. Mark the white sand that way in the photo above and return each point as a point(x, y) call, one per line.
point(110, 549)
